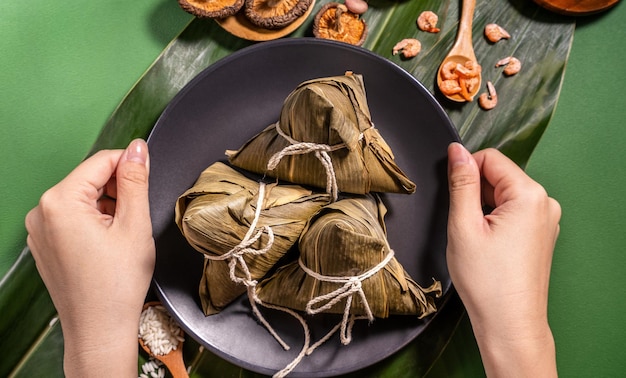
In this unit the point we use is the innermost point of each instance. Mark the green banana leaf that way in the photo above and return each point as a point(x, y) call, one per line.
point(31, 336)
point(540, 39)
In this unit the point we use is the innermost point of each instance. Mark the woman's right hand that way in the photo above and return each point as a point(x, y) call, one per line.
point(500, 262)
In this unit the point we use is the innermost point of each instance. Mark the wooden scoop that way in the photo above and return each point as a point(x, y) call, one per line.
point(174, 359)
point(463, 49)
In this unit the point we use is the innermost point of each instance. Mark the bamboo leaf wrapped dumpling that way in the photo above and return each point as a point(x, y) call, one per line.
point(325, 133)
point(342, 244)
point(216, 215)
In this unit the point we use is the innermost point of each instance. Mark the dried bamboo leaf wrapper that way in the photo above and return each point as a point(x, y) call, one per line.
point(216, 214)
point(214, 301)
point(347, 238)
point(330, 112)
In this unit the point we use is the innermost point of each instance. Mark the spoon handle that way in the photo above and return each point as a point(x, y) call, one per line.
point(467, 15)
point(175, 364)
point(463, 43)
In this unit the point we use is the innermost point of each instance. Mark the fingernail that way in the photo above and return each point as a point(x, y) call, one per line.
point(458, 154)
point(137, 151)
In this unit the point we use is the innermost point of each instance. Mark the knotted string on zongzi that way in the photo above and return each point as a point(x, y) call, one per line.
point(215, 216)
point(351, 285)
point(325, 138)
point(236, 257)
point(344, 252)
point(321, 153)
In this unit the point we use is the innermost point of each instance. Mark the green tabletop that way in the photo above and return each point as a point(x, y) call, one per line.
point(65, 66)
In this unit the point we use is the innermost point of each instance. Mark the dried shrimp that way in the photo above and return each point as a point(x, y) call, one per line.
point(513, 65)
point(450, 87)
point(408, 47)
point(460, 78)
point(469, 69)
point(495, 32)
point(488, 100)
point(447, 72)
point(427, 21)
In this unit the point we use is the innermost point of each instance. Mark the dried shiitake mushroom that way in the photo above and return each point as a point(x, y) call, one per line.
point(211, 8)
point(274, 14)
point(335, 21)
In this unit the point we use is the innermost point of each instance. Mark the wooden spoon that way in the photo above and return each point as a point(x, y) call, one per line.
point(174, 359)
point(463, 49)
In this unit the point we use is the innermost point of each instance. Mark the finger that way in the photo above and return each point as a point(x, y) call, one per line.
point(106, 205)
point(32, 221)
point(95, 171)
point(555, 209)
point(464, 185)
point(503, 179)
point(132, 185)
point(110, 189)
point(555, 215)
point(486, 191)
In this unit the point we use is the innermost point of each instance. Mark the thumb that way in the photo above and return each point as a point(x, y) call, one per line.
point(132, 184)
point(464, 186)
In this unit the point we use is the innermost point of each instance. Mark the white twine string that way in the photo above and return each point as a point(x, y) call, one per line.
point(236, 255)
point(321, 153)
point(352, 285)
point(307, 334)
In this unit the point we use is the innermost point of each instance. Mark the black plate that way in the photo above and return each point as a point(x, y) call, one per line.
point(230, 102)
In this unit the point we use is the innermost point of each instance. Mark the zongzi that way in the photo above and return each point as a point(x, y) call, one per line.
point(344, 253)
point(220, 216)
point(325, 138)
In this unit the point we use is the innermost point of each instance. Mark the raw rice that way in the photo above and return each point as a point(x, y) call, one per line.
point(159, 331)
point(152, 369)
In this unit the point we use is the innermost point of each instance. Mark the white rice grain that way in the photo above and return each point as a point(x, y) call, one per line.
point(152, 368)
point(161, 334)
point(159, 331)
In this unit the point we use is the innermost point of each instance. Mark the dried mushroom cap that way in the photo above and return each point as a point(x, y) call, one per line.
point(335, 21)
point(275, 14)
point(211, 8)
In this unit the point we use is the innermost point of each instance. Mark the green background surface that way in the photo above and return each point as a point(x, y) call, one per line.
point(65, 66)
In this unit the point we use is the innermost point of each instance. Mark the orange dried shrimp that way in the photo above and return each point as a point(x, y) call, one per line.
point(460, 78)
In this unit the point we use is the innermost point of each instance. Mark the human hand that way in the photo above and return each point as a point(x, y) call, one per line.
point(500, 262)
point(91, 238)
